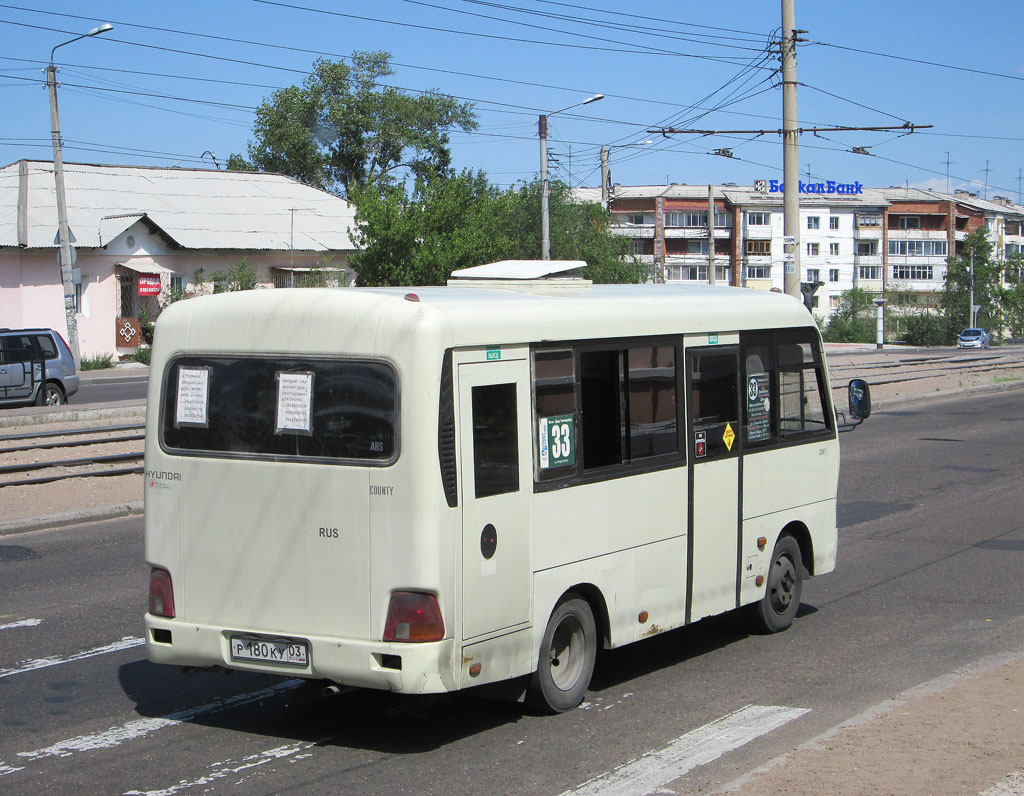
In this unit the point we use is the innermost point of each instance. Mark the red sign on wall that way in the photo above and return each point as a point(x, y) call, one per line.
point(149, 284)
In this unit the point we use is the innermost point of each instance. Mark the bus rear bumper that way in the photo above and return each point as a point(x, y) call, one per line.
point(422, 668)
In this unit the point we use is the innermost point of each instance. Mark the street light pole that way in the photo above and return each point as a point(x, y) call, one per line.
point(63, 235)
point(542, 130)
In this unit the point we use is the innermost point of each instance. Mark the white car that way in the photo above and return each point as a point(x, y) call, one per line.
point(972, 338)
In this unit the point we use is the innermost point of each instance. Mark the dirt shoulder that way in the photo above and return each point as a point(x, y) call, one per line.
point(959, 734)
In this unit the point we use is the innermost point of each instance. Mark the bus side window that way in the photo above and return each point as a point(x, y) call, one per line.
point(495, 440)
point(759, 368)
point(713, 398)
point(801, 377)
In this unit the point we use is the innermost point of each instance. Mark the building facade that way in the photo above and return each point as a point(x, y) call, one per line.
point(142, 235)
point(870, 238)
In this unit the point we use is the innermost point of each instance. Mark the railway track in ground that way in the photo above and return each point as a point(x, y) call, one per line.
point(44, 457)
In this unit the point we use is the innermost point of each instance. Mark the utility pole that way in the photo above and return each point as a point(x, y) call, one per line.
point(947, 172)
point(791, 154)
point(711, 234)
point(972, 288)
point(605, 177)
point(63, 236)
point(985, 195)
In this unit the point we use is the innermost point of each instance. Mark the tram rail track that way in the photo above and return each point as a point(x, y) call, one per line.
point(109, 450)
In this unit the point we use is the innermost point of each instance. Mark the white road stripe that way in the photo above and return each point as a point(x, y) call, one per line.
point(22, 623)
point(55, 660)
point(229, 768)
point(655, 769)
point(116, 736)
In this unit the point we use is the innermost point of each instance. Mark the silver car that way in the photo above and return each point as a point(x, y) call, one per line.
point(36, 367)
point(972, 338)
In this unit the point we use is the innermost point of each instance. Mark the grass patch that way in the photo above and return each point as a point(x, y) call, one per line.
point(1000, 379)
point(98, 362)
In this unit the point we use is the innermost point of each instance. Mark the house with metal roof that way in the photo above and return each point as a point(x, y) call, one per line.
point(142, 234)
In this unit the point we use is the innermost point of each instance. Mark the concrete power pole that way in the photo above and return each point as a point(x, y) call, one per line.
point(63, 236)
point(605, 177)
point(791, 152)
point(711, 234)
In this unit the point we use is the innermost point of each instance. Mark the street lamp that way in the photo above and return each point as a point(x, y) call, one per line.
point(65, 255)
point(542, 128)
point(606, 175)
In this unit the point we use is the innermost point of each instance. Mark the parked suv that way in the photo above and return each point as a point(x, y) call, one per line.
point(972, 338)
point(36, 367)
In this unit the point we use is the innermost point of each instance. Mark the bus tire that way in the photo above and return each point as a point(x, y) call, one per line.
point(776, 610)
point(568, 652)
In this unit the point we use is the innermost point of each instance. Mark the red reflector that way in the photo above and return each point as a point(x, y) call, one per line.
point(413, 616)
point(161, 593)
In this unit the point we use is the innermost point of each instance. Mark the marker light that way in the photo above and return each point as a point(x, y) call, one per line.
point(413, 617)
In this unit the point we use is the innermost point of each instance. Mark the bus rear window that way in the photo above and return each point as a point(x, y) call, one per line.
point(256, 407)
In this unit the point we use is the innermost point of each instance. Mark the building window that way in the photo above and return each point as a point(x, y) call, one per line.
point(910, 222)
point(759, 219)
point(635, 218)
point(1013, 249)
point(869, 272)
point(813, 249)
point(636, 246)
point(813, 222)
point(911, 272)
point(1013, 227)
point(758, 247)
point(833, 249)
point(723, 219)
point(813, 274)
point(696, 247)
point(869, 220)
point(918, 248)
point(866, 248)
point(833, 302)
point(833, 274)
point(686, 219)
point(694, 273)
point(759, 272)
point(833, 222)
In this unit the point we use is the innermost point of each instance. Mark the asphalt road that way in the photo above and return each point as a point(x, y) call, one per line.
point(105, 386)
point(931, 551)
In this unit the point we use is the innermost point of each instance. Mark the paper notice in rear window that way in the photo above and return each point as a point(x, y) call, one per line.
point(190, 407)
point(294, 403)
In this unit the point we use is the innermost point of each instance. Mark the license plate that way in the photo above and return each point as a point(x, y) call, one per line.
point(294, 653)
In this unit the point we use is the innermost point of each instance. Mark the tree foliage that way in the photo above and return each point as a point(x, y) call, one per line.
point(854, 318)
point(343, 130)
point(452, 221)
point(955, 299)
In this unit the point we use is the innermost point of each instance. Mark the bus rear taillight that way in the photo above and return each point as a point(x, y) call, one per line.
point(413, 616)
point(161, 593)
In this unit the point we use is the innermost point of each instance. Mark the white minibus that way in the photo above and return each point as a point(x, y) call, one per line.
point(435, 488)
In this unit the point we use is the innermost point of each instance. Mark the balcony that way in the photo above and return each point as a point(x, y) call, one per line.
point(868, 233)
point(868, 259)
point(917, 234)
point(633, 230)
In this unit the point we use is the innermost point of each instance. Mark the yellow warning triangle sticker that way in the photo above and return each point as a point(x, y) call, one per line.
point(728, 436)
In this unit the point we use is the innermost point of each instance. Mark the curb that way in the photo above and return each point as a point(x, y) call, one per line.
point(71, 518)
point(44, 416)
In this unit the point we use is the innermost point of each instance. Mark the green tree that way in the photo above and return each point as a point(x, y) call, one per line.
point(955, 298)
point(240, 276)
point(342, 129)
point(854, 318)
point(449, 221)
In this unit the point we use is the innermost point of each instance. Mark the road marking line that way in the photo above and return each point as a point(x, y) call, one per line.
point(54, 660)
point(229, 768)
point(22, 623)
point(655, 769)
point(139, 728)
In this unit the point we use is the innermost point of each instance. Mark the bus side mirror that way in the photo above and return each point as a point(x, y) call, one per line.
point(860, 400)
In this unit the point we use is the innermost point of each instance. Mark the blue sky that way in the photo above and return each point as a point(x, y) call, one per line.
point(657, 63)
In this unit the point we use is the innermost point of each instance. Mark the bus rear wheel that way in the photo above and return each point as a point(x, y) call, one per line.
point(776, 610)
point(568, 652)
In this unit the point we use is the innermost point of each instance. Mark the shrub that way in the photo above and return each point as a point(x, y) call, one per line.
point(142, 355)
point(98, 362)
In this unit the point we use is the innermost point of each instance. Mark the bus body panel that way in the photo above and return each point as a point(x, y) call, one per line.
point(242, 537)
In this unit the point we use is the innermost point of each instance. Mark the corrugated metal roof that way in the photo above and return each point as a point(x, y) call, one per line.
point(197, 208)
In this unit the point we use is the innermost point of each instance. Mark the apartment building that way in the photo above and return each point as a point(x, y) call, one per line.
point(850, 235)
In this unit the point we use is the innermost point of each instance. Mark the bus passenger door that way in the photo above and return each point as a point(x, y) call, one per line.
point(495, 461)
point(713, 454)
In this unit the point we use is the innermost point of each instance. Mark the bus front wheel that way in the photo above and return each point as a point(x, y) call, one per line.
point(568, 652)
point(776, 610)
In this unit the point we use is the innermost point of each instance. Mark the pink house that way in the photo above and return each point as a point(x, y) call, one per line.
point(141, 233)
